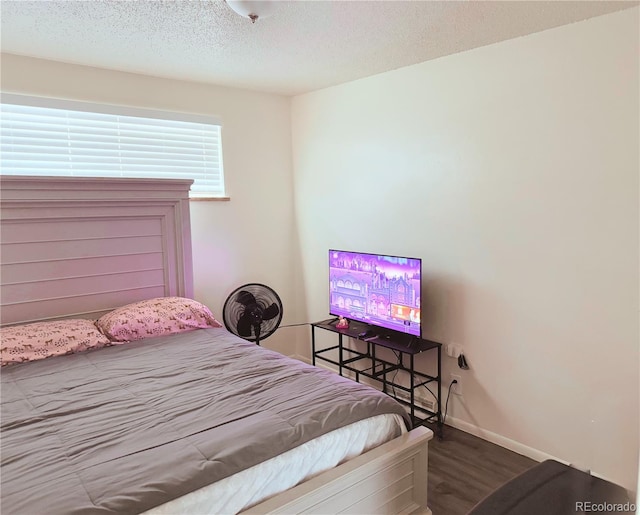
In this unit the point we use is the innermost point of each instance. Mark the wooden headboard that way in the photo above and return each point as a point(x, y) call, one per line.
point(79, 247)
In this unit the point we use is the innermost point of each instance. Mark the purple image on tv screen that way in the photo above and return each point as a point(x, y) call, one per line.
point(380, 290)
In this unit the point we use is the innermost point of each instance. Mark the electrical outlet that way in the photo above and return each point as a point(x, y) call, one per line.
point(456, 388)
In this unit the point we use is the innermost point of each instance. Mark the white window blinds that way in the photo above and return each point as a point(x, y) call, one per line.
point(49, 137)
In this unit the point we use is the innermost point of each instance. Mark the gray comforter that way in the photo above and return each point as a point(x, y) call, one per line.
point(127, 428)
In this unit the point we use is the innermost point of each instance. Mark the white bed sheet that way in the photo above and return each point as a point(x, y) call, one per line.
point(256, 484)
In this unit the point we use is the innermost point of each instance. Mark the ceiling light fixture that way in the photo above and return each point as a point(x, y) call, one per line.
point(253, 9)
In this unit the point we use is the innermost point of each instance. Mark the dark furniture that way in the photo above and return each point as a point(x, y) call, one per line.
point(552, 488)
point(369, 364)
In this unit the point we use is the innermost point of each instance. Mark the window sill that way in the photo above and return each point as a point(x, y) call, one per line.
point(209, 199)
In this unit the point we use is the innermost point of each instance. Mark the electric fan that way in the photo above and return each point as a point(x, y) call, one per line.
point(253, 312)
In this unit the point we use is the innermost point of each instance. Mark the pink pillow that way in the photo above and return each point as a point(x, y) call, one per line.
point(155, 317)
point(41, 340)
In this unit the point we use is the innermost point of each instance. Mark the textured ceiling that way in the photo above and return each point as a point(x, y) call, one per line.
point(301, 47)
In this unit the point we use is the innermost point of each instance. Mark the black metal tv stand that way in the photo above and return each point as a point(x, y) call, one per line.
point(368, 364)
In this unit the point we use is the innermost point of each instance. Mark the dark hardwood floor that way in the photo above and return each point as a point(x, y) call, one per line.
point(463, 469)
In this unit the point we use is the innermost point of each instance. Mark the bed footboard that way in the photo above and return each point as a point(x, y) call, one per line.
point(390, 479)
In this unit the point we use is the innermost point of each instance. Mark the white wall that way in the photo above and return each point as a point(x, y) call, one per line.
point(248, 239)
point(512, 170)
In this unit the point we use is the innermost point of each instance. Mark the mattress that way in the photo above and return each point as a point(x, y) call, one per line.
point(129, 428)
point(260, 482)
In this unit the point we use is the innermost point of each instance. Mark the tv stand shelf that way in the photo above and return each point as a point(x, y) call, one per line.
point(369, 364)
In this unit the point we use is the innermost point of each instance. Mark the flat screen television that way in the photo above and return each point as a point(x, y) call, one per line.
point(379, 290)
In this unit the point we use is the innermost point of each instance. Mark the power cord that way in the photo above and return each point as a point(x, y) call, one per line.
point(432, 394)
point(446, 406)
point(393, 379)
point(398, 360)
point(435, 398)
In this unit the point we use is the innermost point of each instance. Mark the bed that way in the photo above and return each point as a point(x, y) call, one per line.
point(198, 421)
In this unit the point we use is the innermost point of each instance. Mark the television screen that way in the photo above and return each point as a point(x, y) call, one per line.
point(380, 290)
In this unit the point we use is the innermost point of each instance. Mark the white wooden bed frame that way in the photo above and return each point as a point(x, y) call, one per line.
point(79, 247)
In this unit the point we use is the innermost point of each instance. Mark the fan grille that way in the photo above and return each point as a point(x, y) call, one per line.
point(240, 307)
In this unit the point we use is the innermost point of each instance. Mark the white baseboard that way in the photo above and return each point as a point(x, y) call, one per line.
point(304, 359)
point(502, 441)
point(514, 446)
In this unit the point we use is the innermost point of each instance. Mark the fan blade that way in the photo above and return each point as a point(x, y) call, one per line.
point(271, 312)
point(244, 297)
point(244, 325)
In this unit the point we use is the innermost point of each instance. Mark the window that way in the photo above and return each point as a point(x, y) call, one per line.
point(54, 137)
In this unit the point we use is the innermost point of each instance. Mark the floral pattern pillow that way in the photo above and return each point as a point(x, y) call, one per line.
point(155, 317)
point(41, 340)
